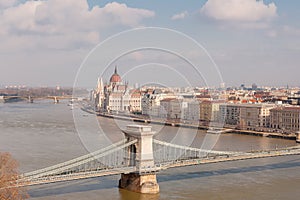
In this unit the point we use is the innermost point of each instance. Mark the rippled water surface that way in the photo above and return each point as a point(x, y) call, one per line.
point(42, 134)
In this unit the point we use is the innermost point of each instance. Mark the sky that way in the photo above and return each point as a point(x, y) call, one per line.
point(48, 42)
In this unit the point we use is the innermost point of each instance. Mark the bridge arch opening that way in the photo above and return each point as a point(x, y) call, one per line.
point(132, 155)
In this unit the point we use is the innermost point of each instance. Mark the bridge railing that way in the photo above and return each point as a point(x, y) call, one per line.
point(92, 159)
point(165, 152)
point(114, 160)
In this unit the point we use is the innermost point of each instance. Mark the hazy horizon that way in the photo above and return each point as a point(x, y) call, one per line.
point(45, 42)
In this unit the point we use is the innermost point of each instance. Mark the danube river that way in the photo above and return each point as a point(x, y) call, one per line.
point(43, 134)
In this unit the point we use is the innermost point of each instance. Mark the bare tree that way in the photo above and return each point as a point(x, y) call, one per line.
point(8, 175)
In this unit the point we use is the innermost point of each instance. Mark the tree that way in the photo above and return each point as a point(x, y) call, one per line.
point(8, 174)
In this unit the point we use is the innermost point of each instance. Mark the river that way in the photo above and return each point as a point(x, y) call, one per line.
point(42, 134)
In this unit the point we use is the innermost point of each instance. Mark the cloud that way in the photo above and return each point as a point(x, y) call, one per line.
point(181, 15)
point(122, 14)
point(291, 31)
point(7, 3)
point(247, 13)
point(137, 56)
point(64, 23)
point(272, 33)
point(285, 31)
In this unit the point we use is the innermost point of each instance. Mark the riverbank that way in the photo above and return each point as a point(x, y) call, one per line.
point(200, 127)
point(43, 134)
point(152, 121)
point(265, 134)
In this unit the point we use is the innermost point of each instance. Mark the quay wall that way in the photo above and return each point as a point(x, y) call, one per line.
point(194, 126)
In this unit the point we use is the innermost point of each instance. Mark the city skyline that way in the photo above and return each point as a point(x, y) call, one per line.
point(250, 41)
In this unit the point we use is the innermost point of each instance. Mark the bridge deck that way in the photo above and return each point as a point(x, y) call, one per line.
point(246, 156)
point(162, 166)
point(74, 176)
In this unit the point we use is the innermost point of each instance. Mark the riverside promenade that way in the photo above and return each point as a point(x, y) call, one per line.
point(178, 123)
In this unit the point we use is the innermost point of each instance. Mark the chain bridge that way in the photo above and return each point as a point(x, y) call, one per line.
point(138, 158)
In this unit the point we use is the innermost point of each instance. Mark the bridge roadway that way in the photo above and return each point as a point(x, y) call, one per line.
point(31, 98)
point(243, 156)
point(27, 181)
point(75, 176)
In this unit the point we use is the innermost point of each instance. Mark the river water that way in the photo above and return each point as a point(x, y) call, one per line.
point(43, 134)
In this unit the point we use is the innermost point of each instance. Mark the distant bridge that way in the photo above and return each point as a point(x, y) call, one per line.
point(30, 99)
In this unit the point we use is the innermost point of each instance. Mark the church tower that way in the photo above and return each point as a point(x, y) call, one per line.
point(99, 94)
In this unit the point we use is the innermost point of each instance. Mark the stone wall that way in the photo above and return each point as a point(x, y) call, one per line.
point(135, 182)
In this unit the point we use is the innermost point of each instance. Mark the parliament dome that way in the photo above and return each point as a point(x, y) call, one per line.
point(115, 78)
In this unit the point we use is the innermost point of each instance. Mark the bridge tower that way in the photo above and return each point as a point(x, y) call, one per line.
point(298, 137)
point(30, 99)
point(56, 100)
point(140, 155)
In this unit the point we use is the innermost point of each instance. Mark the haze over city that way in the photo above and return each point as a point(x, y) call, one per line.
point(43, 43)
point(159, 100)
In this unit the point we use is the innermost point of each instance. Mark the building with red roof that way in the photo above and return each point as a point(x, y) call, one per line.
point(285, 118)
point(116, 96)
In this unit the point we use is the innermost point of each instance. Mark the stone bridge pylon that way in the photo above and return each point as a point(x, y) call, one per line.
point(140, 155)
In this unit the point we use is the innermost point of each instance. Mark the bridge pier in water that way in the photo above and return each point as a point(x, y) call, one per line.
point(56, 100)
point(140, 155)
point(30, 99)
point(298, 137)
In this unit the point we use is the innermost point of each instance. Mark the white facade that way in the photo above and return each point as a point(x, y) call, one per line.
point(191, 110)
point(116, 97)
point(246, 116)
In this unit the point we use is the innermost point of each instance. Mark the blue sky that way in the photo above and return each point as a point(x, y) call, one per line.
point(44, 42)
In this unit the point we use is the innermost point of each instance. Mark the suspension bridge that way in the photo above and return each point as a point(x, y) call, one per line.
point(138, 158)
